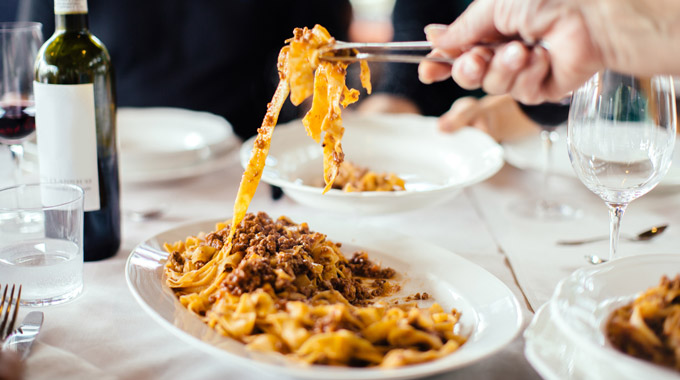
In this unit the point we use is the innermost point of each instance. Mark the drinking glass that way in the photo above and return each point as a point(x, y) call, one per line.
point(620, 138)
point(19, 44)
point(41, 241)
point(548, 116)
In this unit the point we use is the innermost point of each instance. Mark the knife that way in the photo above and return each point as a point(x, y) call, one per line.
point(21, 339)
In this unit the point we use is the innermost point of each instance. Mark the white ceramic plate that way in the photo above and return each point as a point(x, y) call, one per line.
point(566, 338)
point(491, 316)
point(527, 153)
point(435, 166)
point(160, 144)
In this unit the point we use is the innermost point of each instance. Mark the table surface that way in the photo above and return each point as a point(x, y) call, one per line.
point(105, 333)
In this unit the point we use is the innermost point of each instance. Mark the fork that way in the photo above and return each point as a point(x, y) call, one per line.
point(7, 325)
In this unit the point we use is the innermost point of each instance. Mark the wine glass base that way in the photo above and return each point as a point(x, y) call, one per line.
point(546, 210)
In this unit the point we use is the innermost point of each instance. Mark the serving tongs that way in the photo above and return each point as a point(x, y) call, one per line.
point(404, 52)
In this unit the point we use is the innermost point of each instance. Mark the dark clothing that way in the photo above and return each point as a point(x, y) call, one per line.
point(209, 55)
point(409, 19)
point(8, 10)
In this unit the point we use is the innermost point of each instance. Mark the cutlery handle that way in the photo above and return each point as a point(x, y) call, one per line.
point(582, 241)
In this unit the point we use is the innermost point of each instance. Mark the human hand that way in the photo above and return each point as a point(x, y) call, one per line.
point(497, 115)
point(582, 38)
point(529, 74)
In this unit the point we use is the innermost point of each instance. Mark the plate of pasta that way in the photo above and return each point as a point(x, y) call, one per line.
point(399, 163)
point(327, 301)
point(619, 320)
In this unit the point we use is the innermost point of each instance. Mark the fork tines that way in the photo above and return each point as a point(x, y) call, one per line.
point(7, 325)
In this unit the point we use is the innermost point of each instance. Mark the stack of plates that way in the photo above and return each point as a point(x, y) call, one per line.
point(566, 339)
point(162, 144)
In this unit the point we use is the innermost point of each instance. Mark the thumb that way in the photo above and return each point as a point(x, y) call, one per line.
point(474, 25)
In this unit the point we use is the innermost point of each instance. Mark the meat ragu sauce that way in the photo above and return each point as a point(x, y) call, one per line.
point(268, 248)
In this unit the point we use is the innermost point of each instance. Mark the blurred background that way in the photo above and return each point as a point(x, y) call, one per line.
point(371, 18)
point(8, 10)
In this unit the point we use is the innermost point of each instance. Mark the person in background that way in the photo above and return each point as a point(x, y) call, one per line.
point(217, 56)
point(574, 40)
point(8, 10)
point(400, 91)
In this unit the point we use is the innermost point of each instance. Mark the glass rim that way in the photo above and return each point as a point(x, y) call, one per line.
point(12, 26)
point(77, 198)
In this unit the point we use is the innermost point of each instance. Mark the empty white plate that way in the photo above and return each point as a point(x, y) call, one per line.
point(160, 144)
point(154, 139)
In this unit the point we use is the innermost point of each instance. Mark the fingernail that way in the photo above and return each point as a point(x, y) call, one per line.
point(511, 55)
point(470, 68)
point(433, 31)
point(422, 78)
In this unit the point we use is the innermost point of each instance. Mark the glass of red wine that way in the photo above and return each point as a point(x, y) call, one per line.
point(548, 116)
point(19, 44)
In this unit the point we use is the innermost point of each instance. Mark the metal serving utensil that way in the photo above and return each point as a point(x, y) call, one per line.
point(401, 51)
point(642, 236)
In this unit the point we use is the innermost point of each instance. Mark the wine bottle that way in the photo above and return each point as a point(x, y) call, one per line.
point(76, 123)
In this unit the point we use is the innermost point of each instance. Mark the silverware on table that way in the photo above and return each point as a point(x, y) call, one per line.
point(21, 340)
point(642, 236)
point(595, 259)
point(6, 310)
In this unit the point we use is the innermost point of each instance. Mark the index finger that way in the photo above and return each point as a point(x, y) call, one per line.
point(473, 26)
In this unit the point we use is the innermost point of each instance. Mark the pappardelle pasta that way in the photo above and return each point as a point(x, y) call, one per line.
point(649, 327)
point(353, 178)
point(278, 286)
point(285, 288)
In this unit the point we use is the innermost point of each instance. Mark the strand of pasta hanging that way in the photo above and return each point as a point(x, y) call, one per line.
point(278, 286)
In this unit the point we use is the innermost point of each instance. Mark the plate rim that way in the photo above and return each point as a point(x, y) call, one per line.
point(407, 372)
point(491, 170)
point(577, 341)
point(518, 161)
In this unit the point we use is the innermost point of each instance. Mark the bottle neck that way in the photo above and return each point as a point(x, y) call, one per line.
point(72, 22)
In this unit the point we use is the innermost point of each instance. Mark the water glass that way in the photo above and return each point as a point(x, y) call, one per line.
point(41, 241)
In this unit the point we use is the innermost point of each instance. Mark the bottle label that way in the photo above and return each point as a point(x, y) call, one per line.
point(67, 137)
point(70, 6)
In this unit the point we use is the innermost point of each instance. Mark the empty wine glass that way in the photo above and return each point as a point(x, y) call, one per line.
point(19, 44)
point(544, 205)
point(621, 134)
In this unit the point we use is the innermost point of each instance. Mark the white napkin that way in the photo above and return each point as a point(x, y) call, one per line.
point(49, 362)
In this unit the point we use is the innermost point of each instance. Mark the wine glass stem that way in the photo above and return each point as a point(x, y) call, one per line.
point(616, 211)
point(17, 151)
point(547, 143)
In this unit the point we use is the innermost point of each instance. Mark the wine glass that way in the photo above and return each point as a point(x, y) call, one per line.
point(19, 44)
point(548, 116)
point(620, 137)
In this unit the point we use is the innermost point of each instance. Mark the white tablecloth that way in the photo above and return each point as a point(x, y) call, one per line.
point(106, 333)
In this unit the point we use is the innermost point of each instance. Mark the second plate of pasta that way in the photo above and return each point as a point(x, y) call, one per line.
point(490, 314)
point(407, 150)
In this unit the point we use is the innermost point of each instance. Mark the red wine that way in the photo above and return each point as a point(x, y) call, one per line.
point(16, 122)
point(547, 115)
